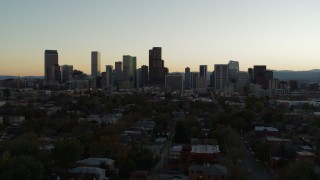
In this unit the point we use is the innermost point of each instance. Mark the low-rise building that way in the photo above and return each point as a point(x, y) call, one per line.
point(204, 153)
point(206, 172)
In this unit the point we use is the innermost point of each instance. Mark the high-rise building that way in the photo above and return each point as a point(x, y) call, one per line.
point(187, 76)
point(144, 78)
point(50, 67)
point(174, 83)
point(109, 75)
point(95, 63)
point(156, 66)
point(194, 77)
point(203, 71)
point(201, 84)
point(233, 71)
point(118, 72)
point(221, 76)
point(242, 82)
point(130, 69)
point(250, 74)
point(212, 79)
point(138, 77)
point(258, 73)
point(66, 73)
point(261, 76)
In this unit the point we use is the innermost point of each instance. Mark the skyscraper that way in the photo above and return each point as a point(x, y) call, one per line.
point(220, 76)
point(144, 80)
point(118, 72)
point(233, 71)
point(187, 75)
point(194, 77)
point(66, 73)
point(51, 67)
point(156, 66)
point(258, 73)
point(109, 75)
point(130, 69)
point(95, 63)
point(174, 82)
point(262, 76)
point(242, 82)
point(203, 71)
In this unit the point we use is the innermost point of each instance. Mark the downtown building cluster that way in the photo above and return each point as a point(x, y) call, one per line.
point(225, 79)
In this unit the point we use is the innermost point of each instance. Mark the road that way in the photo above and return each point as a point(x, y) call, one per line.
point(259, 172)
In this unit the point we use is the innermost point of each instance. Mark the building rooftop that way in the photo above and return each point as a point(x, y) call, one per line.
point(205, 149)
point(210, 170)
point(277, 139)
point(263, 128)
point(97, 161)
point(305, 153)
point(100, 173)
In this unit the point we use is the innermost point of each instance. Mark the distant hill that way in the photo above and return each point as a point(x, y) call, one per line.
point(24, 77)
point(312, 75)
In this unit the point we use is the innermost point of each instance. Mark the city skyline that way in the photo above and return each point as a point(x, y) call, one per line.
point(283, 35)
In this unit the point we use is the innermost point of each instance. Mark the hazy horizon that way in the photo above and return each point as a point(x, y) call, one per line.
point(282, 35)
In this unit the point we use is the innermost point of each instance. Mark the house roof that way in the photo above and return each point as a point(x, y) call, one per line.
point(209, 149)
point(97, 161)
point(97, 171)
point(263, 128)
point(210, 170)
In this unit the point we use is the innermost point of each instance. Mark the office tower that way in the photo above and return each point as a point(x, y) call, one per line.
point(50, 66)
point(258, 73)
point(138, 77)
point(165, 71)
point(95, 63)
point(174, 83)
point(212, 79)
point(130, 69)
point(201, 84)
point(221, 76)
point(156, 66)
point(144, 78)
point(250, 74)
point(233, 71)
point(109, 75)
point(66, 73)
point(243, 82)
point(118, 72)
point(187, 80)
point(194, 77)
point(262, 76)
point(203, 71)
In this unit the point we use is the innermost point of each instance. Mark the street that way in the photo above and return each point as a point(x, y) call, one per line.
point(258, 171)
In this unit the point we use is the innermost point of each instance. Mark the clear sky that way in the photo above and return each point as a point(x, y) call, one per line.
point(282, 34)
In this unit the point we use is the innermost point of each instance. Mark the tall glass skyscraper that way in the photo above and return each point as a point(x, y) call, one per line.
point(52, 71)
point(95, 63)
point(130, 69)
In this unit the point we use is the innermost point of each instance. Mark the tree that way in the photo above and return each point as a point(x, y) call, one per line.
point(298, 170)
point(22, 167)
point(6, 93)
point(182, 134)
point(66, 152)
point(26, 144)
point(126, 167)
